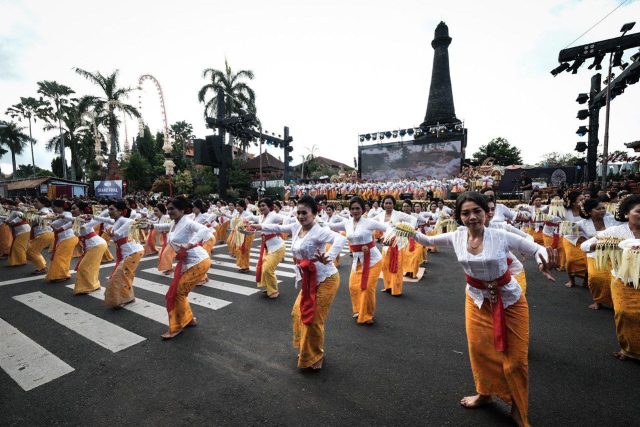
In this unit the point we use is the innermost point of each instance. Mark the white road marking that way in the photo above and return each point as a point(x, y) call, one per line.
point(197, 299)
point(139, 306)
point(233, 265)
point(26, 362)
point(103, 333)
point(254, 260)
point(222, 286)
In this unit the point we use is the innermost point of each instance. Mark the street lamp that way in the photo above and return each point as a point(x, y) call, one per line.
point(605, 149)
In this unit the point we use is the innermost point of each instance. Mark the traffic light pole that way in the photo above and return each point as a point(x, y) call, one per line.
point(594, 125)
point(605, 147)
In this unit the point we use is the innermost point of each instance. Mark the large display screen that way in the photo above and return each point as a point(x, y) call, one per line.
point(407, 160)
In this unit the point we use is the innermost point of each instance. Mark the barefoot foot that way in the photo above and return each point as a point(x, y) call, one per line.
point(620, 355)
point(194, 322)
point(476, 401)
point(595, 306)
point(168, 335)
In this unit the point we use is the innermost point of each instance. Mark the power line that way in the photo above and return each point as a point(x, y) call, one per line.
point(597, 23)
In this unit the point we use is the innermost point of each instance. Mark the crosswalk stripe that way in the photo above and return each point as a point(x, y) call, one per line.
point(26, 362)
point(197, 299)
point(139, 306)
point(345, 250)
point(233, 265)
point(224, 273)
point(254, 260)
point(257, 251)
point(222, 286)
point(103, 333)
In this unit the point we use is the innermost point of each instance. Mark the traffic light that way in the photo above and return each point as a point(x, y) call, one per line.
point(583, 114)
point(581, 147)
point(286, 142)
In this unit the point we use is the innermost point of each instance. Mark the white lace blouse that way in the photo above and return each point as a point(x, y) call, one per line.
point(312, 243)
point(63, 224)
point(120, 230)
point(491, 263)
point(87, 228)
point(361, 234)
point(275, 243)
point(187, 231)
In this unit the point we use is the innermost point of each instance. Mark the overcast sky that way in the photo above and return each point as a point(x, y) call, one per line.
point(329, 69)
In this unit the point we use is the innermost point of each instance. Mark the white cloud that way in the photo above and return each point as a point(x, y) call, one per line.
point(330, 70)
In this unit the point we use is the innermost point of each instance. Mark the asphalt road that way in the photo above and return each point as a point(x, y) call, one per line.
point(238, 366)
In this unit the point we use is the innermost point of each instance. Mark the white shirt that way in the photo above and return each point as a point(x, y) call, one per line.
point(491, 263)
point(503, 213)
point(43, 228)
point(275, 243)
point(396, 217)
point(65, 225)
point(361, 234)
point(87, 228)
point(446, 209)
point(312, 243)
point(187, 231)
point(15, 218)
point(120, 230)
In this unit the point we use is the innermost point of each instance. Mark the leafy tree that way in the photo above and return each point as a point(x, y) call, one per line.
point(555, 159)
point(182, 134)
point(239, 179)
point(13, 137)
point(26, 171)
point(137, 172)
point(56, 167)
point(146, 146)
point(30, 109)
point(111, 102)
point(503, 153)
point(183, 182)
point(58, 94)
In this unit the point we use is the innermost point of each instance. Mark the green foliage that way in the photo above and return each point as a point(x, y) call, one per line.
point(183, 182)
point(13, 137)
point(26, 171)
point(555, 159)
point(205, 182)
point(239, 179)
point(146, 146)
point(503, 153)
point(161, 185)
point(137, 172)
point(56, 167)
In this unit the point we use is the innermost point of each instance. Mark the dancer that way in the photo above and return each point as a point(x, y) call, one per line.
point(392, 258)
point(20, 230)
point(596, 219)
point(119, 290)
point(104, 232)
point(186, 237)
point(64, 243)
point(625, 296)
point(272, 250)
point(413, 254)
point(93, 248)
point(571, 239)
point(366, 266)
point(317, 274)
point(41, 236)
point(167, 254)
point(497, 329)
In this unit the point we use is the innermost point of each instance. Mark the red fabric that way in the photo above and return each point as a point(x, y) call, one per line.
point(101, 229)
point(170, 297)
point(263, 246)
point(149, 237)
point(83, 242)
point(55, 241)
point(555, 241)
point(366, 265)
point(412, 244)
point(119, 244)
point(393, 262)
point(499, 323)
point(309, 288)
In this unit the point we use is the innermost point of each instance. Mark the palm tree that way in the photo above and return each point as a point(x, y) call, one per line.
point(13, 137)
point(57, 93)
point(112, 100)
point(30, 108)
point(74, 131)
point(239, 96)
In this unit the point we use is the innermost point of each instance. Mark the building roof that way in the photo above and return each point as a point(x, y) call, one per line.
point(28, 183)
point(327, 162)
point(268, 161)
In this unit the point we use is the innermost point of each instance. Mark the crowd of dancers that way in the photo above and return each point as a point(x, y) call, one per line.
point(575, 235)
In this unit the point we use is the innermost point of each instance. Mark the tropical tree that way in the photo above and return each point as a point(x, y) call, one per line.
point(76, 134)
point(30, 109)
point(112, 102)
point(500, 150)
point(59, 95)
point(26, 171)
point(13, 137)
point(181, 133)
point(555, 159)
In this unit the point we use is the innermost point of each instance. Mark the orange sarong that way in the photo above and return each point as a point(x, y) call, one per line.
point(309, 338)
point(626, 307)
point(270, 262)
point(243, 252)
point(120, 285)
point(411, 260)
point(6, 238)
point(599, 284)
point(61, 263)
point(521, 278)
point(547, 241)
point(88, 271)
point(363, 302)
point(36, 246)
point(576, 260)
point(150, 242)
point(502, 374)
point(221, 231)
point(167, 254)
point(107, 256)
point(18, 255)
point(181, 314)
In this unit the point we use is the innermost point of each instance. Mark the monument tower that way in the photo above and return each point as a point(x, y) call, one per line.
point(440, 109)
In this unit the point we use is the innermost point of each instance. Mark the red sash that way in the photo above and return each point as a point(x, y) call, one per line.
point(412, 244)
point(393, 261)
point(55, 242)
point(170, 297)
point(499, 323)
point(263, 246)
point(119, 244)
point(366, 265)
point(83, 242)
point(309, 289)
